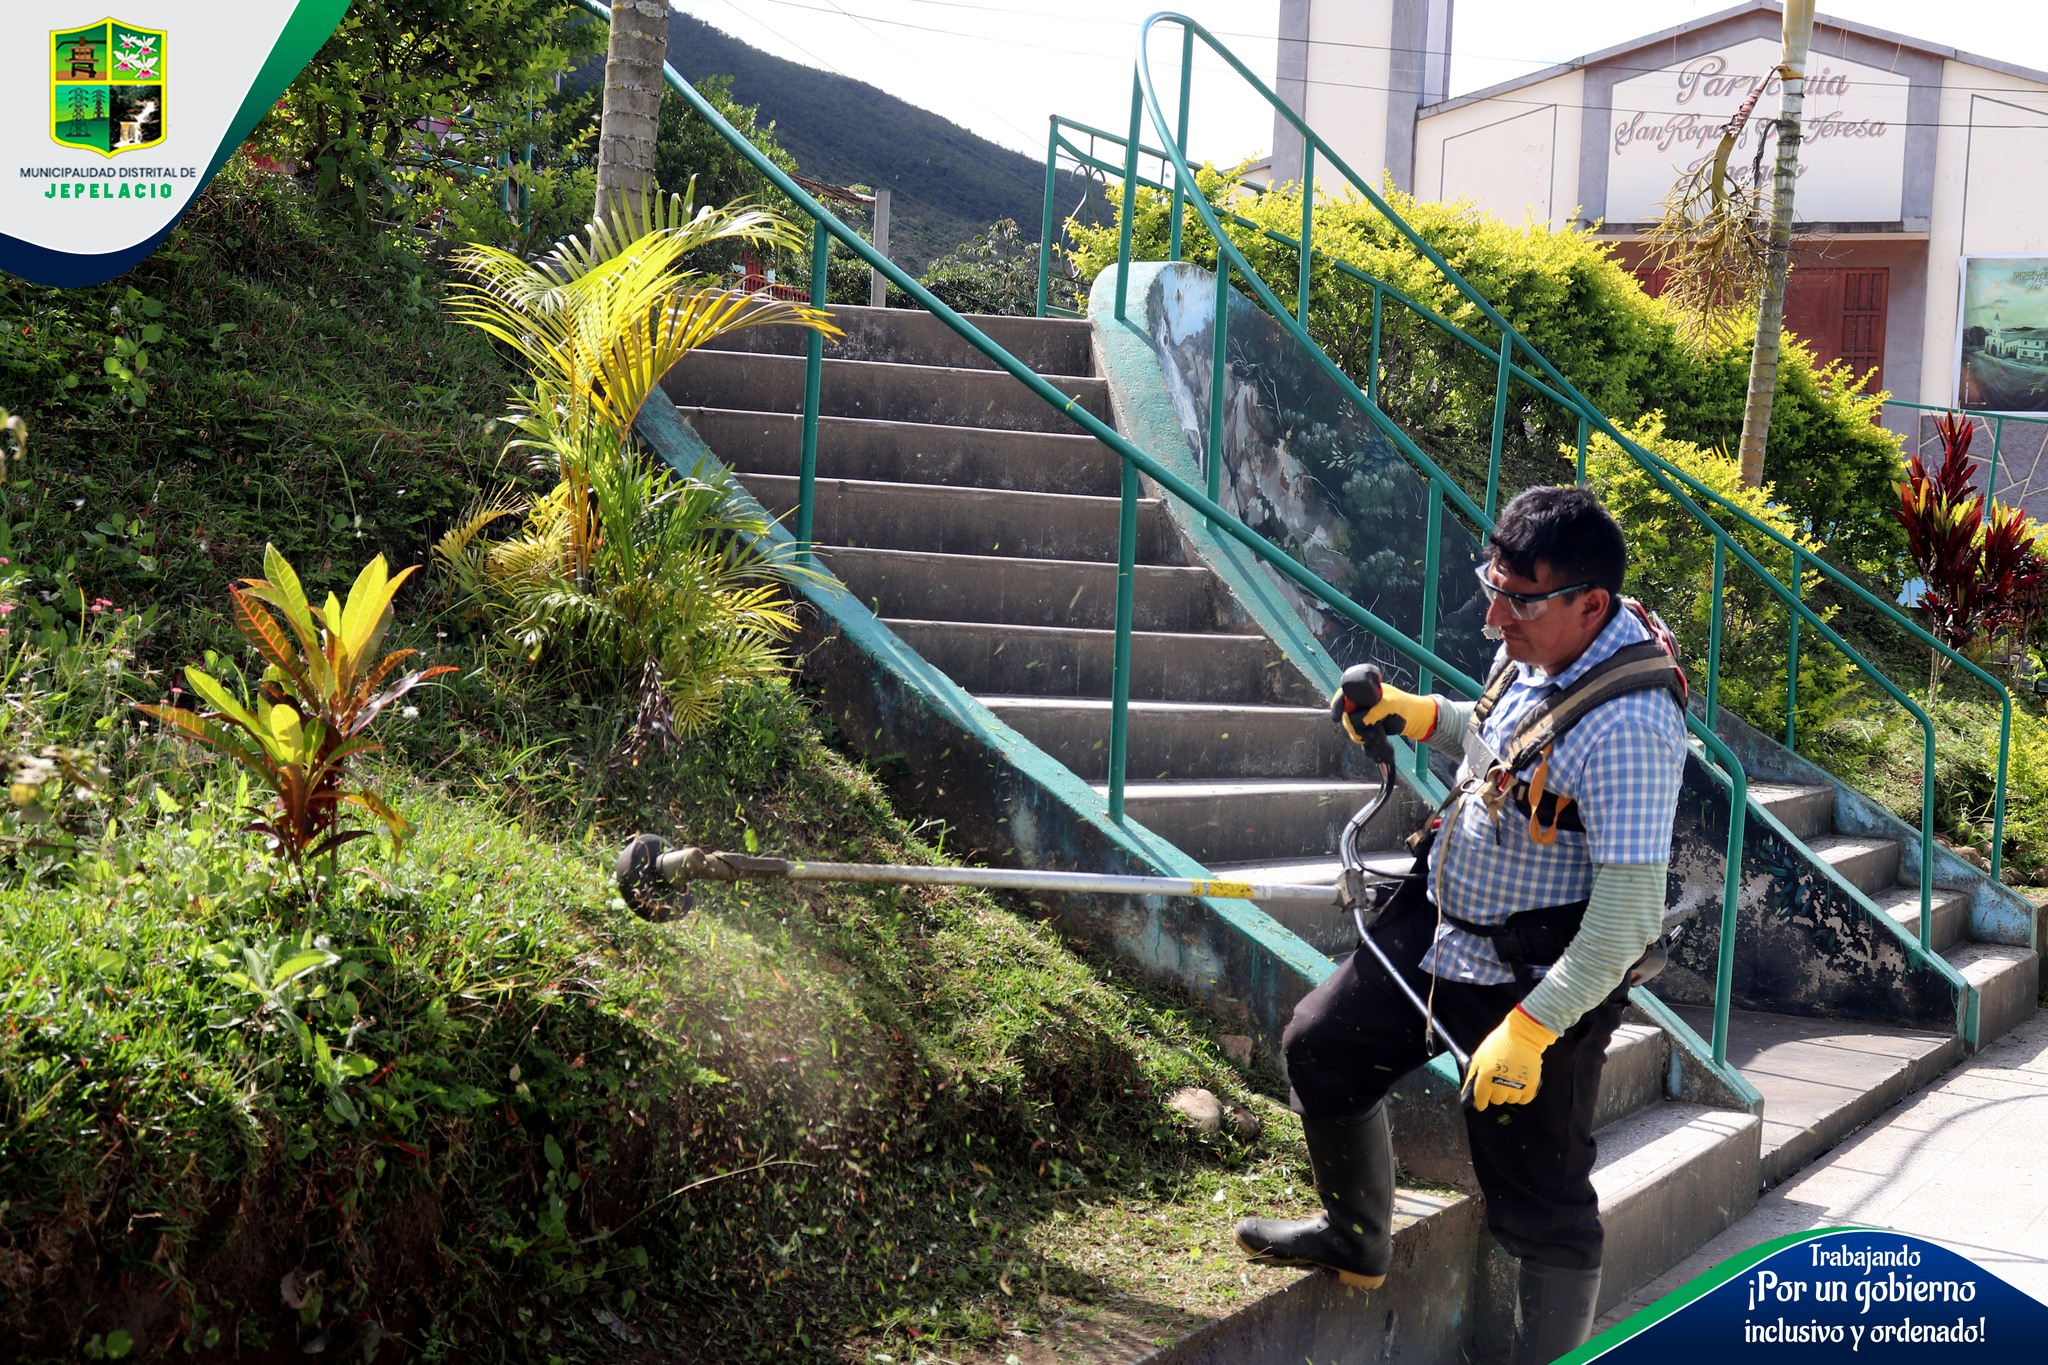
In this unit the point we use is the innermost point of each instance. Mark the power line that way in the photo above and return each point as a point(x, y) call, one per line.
point(971, 99)
point(1380, 47)
point(972, 153)
point(1268, 37)
point(1385, 89)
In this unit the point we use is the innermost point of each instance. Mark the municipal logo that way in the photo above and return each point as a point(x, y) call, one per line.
point(107, 87)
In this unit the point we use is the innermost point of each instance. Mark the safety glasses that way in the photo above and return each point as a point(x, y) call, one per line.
point(1523, 606)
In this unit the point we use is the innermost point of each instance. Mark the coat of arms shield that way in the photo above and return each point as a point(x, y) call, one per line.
point(107, 87)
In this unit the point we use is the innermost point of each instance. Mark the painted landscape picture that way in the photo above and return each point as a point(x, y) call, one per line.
point(2003, 361)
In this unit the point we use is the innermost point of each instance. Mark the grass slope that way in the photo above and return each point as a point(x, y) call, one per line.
point(507, 1119)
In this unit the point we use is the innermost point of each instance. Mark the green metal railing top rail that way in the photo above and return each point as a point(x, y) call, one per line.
point(1135, 462)
point(1538, 375)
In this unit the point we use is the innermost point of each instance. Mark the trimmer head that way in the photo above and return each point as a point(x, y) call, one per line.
point(638, 874)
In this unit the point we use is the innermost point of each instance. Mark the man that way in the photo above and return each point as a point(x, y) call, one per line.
point(1545, 885)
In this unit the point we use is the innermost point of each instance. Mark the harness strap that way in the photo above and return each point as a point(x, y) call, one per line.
point(1528, 939)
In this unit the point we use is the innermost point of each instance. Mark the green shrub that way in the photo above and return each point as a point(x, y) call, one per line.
point(995, 273)
point(1670, 569)
point(353, 116)
point(692, 159)
point(1832, 466)
point(306, 392)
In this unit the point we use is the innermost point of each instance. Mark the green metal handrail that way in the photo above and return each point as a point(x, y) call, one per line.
point(1801, 557)
point(1667, 477)
point(827, 226)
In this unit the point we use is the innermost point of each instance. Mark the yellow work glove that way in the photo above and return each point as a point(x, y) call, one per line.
point(1365, 700)
point(1508, 1066)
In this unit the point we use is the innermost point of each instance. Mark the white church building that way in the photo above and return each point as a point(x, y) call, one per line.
point(1916, 157)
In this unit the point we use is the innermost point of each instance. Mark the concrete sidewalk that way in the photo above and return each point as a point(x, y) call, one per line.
point(1963, 1163)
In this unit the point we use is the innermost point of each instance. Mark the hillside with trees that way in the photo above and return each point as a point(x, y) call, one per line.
point(948, 184)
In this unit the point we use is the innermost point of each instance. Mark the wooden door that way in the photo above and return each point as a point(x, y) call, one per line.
point(1840, 315)
point(1864, 295)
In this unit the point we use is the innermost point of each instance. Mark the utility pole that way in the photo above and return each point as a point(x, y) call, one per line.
point(878, 287)
point(632, 107)
point(1770, 313)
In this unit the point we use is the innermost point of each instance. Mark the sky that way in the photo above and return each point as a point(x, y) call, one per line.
point(1001, 66)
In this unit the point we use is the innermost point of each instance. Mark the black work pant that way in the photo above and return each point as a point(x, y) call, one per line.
point(1355, 1035)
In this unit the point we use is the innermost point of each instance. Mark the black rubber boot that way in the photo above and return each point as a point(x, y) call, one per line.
point(1353, 1161)
point(1554, 1312)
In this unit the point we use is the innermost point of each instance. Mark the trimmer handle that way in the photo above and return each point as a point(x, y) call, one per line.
point(1357, 693)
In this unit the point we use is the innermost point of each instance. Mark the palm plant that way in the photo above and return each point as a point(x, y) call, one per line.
point(624, 571)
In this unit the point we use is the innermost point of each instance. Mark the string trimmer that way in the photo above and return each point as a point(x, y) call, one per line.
point(648, 860)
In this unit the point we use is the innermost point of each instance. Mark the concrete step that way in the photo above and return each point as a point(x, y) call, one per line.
point(1670, 1177)
point(1063, 661)
point(1822, 1079)
point(1181, 739)
point(912, 452)
point(911, 336)
point(1223, 822)
point(2007, 980)
point(1632, 1079)
point(1871, 865)
point(1951, 912)
point(895, 393)
point(1421, 1315)
point(967, 521)
point(1806, 811)
point(1028, 592)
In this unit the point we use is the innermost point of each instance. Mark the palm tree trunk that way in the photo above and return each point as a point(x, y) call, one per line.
point(1770, 314)
point(632, 106)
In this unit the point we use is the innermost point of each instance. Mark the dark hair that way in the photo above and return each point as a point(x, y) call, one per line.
point(1567, 529)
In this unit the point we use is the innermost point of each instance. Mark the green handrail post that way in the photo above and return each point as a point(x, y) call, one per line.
point(1120, 668)
point(1714, 615)
point(1927, 840)
point(1130, 204)
point(1187, 72)
point(1305, 252)
point(814, 383)
point(1372, 365)
point(1792, 653)
point(1582, 450)
point(1219, 376)
point(1998, 792)
point(1731, 890)
point(1991, 475)
point(1500, 421)
point(1432, 558)
point(1052, 156)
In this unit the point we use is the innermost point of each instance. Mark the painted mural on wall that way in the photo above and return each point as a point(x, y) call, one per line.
point(1803, 945)
point(1305, 468)
point(2002, 359)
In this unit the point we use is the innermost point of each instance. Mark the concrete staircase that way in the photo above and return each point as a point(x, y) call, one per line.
point(1822, 1079)
point(981, 527)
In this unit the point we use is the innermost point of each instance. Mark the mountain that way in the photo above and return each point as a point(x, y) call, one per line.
point(947, 184)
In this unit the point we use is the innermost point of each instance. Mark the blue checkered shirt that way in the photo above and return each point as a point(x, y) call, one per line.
point(1622, 763)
